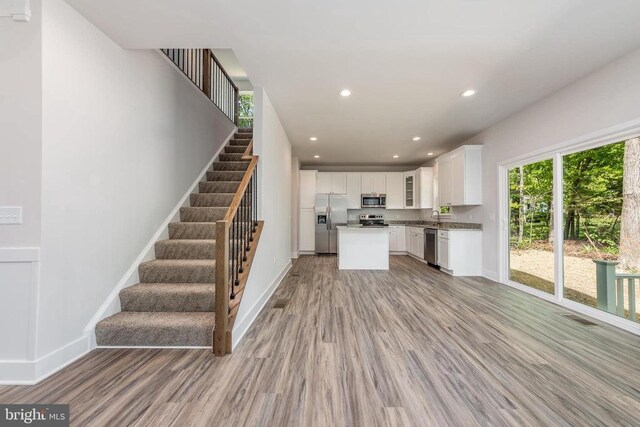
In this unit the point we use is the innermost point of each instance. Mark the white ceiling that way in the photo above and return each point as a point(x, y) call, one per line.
point(406, 61)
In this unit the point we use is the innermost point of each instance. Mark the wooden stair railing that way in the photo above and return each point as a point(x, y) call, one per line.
point(237, 237)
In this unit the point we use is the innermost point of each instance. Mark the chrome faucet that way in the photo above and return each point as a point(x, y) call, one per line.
point(436, 214)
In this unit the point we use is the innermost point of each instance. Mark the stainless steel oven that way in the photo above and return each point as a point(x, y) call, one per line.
point(374, 201)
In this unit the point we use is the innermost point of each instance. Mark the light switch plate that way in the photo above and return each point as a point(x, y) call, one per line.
point(10, 214)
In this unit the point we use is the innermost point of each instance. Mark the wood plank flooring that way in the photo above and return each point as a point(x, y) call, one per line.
point(411, 346)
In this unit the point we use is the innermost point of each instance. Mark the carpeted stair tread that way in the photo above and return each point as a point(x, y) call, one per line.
point(239, 142)
point(130, 328)
point(177, 271)
point(216, 176)
point(233, 157)
point(230, 149)
point(211, 200)
point(192, 230)
point(202, 214)
point(186, 249)
point(230, 166)
point(218, 186)
point(171, 297)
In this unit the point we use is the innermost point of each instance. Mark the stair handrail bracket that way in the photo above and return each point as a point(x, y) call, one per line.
point(236, 241)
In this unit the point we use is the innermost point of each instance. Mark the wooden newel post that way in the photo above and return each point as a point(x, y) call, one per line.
point(206, 72)
point(222, 289)
point(606, 282)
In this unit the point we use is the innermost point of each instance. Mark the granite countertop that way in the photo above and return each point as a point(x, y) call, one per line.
point(449, 225)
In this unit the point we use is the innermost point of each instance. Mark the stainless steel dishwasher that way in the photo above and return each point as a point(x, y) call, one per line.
point(431, 246)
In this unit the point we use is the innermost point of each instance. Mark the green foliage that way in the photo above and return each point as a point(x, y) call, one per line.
point(592, 205)
point(245, 110)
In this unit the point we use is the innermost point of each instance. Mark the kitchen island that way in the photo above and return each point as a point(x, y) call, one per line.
point(363, 248)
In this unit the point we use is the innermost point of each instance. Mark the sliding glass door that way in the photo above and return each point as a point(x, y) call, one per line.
point(531, 249)
point(595, 218)
point(588, 252)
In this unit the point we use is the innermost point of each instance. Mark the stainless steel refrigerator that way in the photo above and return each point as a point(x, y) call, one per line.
point(331, 211)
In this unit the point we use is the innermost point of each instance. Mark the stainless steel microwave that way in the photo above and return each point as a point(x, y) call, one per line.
point(374, 201)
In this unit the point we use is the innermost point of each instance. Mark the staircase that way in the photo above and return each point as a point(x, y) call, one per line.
point(173, 305)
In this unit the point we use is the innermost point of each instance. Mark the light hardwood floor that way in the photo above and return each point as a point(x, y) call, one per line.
point(410, 346)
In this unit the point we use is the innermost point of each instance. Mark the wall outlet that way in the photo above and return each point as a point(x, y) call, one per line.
point(10, 214)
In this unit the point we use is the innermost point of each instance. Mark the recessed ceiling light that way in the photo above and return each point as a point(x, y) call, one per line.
point(345, 92)
point(429, 154)
point(313, 138)
point(316, 157)
point(395, 156)
point(415, 138)
point(468, 93)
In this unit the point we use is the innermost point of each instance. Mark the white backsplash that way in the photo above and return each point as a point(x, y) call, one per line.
point(389, 214)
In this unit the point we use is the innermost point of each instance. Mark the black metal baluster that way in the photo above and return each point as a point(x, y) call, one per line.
point(247, 219)
point(255, 215)
point(232, 256)
point(250, 219)
point(237, 254)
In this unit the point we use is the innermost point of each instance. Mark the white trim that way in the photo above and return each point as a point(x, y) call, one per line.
point(245, 323)
point(295, 255)
point(18, 372)
point(19, 254)
point(18, 10)
point(558, 226)
point(491, 275)
point(112, 303)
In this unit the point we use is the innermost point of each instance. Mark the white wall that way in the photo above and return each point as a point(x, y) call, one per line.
point(272, 259)
point(606, 98)
point(20, 125)
point(124, 136)
point(20, 181)
point(295, 203)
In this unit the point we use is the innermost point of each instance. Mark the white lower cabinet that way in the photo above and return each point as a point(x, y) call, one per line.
point(307, 230)
point(416, 242)
point(397, 238)
point(443, 251)
point(460, 252)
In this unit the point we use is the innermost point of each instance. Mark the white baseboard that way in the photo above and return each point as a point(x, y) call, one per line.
point(245, 323)
point(491, 275)
point(26, 372)
point(295, 255)
point(111, 305)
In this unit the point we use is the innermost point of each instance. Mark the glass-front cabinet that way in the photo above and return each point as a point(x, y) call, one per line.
point(409, 189)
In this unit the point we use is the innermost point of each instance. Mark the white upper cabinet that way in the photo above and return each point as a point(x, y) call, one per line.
point(354, 191)
point(374, 183)
point(323, 183)
point(394, 190)
point(339, 183)
point(331, 183)
point(424, 188)
point(307, 189)
point(460, 177)
point(409, 191)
